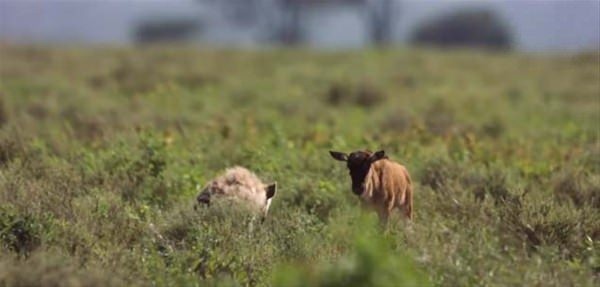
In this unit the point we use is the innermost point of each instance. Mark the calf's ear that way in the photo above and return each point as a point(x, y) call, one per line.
point(378, 155)
point(271, 189)
point(339, 155)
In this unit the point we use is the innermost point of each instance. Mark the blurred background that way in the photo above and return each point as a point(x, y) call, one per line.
point(523, 25)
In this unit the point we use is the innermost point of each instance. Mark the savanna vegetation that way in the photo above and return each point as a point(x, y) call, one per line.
point(101, 150)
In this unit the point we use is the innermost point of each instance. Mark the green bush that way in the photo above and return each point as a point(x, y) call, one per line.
point(372, 262)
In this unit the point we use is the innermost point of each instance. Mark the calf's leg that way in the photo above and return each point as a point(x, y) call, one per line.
point(383, 214)
point(408, 204)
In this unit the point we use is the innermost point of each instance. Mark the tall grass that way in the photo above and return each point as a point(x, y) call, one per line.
point(101, 151)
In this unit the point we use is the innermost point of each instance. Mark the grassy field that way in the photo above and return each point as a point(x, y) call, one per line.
point(101, 151)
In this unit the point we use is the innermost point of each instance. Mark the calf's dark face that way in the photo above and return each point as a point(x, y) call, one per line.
point(359, 164)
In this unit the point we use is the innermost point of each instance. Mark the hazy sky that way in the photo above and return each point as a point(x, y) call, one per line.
point(538, 25)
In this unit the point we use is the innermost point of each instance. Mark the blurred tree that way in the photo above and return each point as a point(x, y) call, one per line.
point(290, 31)
point(480, 28)
point(239, 12)
point(283, 20)
point(166, 30)
point(381, 21)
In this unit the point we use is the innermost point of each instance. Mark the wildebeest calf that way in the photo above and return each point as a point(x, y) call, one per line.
point(379, 181)
point(241, 185)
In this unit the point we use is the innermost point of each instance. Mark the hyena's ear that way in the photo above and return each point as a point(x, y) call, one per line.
point(203, 197)
point(271, 189)
point(339, 155)
point(378, 155)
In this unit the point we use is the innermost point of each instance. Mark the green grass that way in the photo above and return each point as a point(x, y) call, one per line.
point(101, 151)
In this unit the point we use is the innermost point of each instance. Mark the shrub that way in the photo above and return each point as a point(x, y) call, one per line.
point(438, 173)
point(85, 127)
point(338, 94)
point(19, 233)
point(577, 186)
point(10, 147)
point(368, 96)
point(361, 94)
point(316, 199)
point(136, 173)
point(439, 118)
point(398, 121)
point(497, 187)
point(47, 269)
point(493, 128)
point(372, 262)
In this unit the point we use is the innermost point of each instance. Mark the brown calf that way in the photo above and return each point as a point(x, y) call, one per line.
point(379, 181)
